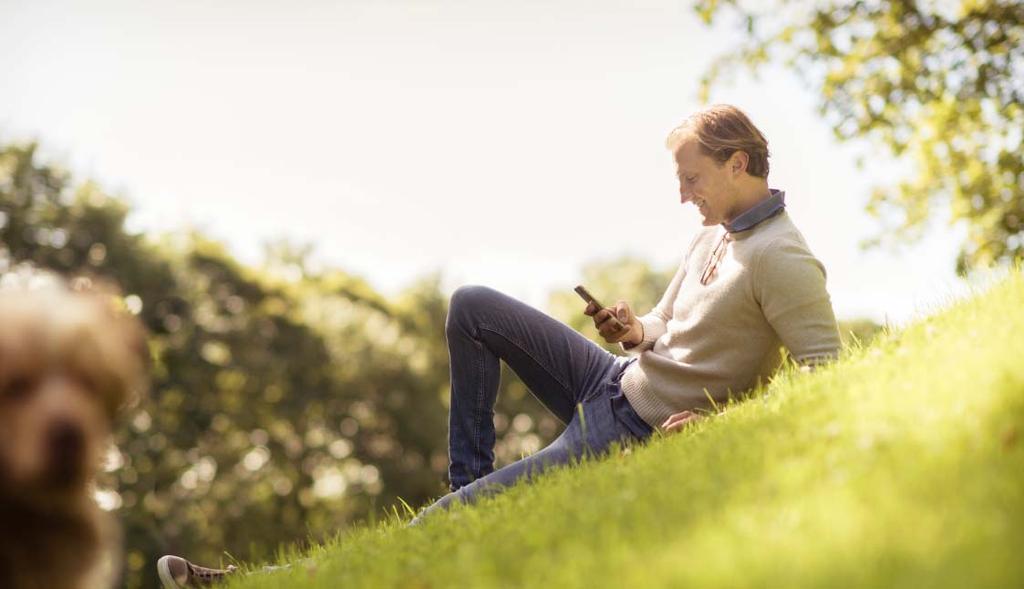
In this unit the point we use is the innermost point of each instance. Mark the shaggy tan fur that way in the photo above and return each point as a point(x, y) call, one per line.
point(69, 363)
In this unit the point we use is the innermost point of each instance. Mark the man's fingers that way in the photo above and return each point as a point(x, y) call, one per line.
point(622, 310)
point(678, 420)
point(676, 427)
point(677, 416)
point(611, 328)
point(611, 321)
point(607, 324)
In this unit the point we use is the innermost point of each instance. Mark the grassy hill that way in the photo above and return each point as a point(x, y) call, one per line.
point(900, 465)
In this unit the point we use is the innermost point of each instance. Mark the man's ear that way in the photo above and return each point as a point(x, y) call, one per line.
point(738, 162)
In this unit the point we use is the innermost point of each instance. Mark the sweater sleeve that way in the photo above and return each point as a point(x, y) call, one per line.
point(655, 323)
point(789, 284)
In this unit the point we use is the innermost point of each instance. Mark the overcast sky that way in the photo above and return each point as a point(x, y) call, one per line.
point(505, 143)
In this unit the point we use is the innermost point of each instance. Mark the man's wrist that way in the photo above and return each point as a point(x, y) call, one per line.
point(636, 341)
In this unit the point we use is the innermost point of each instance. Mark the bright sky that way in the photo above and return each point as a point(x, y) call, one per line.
point(505, 143)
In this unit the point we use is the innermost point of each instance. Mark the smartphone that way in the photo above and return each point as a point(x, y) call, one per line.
point(586, 296)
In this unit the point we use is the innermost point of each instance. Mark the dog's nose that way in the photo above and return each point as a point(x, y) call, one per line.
point(66, 445)
point(66, 442)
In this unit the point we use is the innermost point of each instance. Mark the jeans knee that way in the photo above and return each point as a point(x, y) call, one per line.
point(469, 295)
point(465, 299)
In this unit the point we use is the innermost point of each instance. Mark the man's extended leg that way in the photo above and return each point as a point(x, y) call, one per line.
point(593, 428)
point(559, 365)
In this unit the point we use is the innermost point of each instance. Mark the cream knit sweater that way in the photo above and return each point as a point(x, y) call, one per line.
point(725, 337)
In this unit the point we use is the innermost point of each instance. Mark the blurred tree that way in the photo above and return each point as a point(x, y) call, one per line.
point(276, 392)
point(939, 84)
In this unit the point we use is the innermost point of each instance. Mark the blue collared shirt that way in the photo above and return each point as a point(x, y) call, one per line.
point(768, 207)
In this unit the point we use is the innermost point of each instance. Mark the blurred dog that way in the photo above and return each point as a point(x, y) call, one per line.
point(69, 362)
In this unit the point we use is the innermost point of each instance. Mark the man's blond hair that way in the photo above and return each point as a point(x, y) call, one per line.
point(722, 130)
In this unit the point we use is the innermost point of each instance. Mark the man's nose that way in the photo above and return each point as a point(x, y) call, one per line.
point(684, 195)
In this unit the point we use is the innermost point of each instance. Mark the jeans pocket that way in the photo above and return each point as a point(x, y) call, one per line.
point(627, 420)
point(598, 425)
point(618, 377)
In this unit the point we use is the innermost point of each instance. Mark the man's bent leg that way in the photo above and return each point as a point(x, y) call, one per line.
point(559, 366)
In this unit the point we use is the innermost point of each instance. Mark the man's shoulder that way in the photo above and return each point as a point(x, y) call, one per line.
point(751, 242)
point(777, 232)
point(784, 254)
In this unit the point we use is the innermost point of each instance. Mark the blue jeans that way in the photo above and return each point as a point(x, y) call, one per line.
point(577, 380)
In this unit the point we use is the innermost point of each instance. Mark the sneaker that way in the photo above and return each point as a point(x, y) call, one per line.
point(177, 573)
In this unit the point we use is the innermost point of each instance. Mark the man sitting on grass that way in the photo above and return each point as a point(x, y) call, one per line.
point(747, 285)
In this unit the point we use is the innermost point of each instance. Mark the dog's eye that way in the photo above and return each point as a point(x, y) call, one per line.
point(18, 388)
point(82, 379)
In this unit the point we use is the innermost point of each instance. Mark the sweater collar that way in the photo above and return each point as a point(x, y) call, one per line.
point(768, 207)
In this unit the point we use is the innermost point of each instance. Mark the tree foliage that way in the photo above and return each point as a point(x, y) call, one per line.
point(938, 84)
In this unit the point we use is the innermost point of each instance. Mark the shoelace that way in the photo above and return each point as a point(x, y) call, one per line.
point(209, 574)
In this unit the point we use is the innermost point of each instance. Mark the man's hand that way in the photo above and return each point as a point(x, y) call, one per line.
point(616, 325)
point(678, 421)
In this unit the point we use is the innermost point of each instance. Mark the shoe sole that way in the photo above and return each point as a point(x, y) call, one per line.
point(164, 572)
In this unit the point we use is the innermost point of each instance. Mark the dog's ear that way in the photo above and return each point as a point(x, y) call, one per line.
point(132, 350)
point(111, 324)
point(137, 345)
point(137, 361)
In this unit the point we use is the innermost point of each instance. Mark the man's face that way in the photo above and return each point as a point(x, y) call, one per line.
point(705, 183)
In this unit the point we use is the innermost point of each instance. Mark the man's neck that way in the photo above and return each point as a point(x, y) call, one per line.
point(749, 195)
